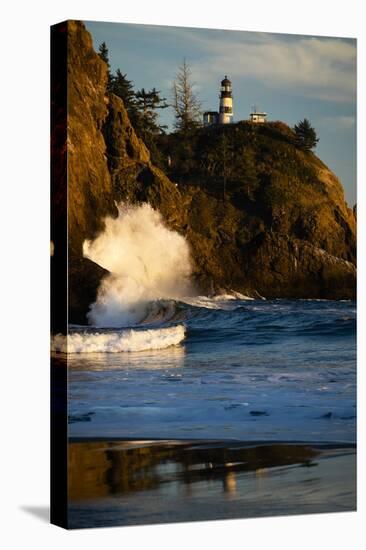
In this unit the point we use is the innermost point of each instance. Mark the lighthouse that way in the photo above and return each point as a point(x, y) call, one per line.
point(226, 102)
point(225, 114)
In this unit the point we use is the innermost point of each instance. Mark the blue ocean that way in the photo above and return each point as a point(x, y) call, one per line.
point(219, 368)
point(183, 406)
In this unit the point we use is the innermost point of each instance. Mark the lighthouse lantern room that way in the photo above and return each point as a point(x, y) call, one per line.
point(226, 102)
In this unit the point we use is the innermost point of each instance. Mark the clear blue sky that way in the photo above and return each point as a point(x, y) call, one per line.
point(288, 76)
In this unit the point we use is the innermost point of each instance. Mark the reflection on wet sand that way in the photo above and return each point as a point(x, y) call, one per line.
point(172, 357)
point(229, 483)
point(99, 469)
point(141, 482)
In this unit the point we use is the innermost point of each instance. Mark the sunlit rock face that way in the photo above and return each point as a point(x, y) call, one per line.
point(272, 218)
point(90, 191)
point(107, 163)
point(273, 221)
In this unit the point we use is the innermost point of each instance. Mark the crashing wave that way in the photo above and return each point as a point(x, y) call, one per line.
point(119, 341)
point(220, 301)
point(147, 262)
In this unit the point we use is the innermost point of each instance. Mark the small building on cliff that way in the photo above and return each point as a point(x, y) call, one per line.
point(210, 118)
point(257, 117)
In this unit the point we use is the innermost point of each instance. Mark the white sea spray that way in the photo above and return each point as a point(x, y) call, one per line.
point(146, 260)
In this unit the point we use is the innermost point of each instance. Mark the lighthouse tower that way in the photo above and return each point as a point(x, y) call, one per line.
point(226, 102)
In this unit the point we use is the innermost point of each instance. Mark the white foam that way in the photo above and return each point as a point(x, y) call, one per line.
point(232, 295)
point(147, 262)
point(121, 341)
point(220, 301)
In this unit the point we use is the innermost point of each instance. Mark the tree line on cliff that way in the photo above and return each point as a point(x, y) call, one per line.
point(143, 107)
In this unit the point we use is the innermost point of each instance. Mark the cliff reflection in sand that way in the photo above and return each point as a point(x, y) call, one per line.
point(100, 469)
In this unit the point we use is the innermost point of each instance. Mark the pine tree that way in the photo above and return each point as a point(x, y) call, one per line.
point(104, 55)
point(306, 137)
point(148, 127)
point(185, 102)
point(148, 102)
point(123, 88)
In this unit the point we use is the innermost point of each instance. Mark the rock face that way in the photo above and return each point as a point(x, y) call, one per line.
point(134, 178)
point(84, 279)
point(282, 227)
point(90, 191)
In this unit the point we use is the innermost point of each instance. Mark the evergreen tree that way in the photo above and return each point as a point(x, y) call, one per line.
point(306, 137)
point(148, 102)
point(226, 158)
point(148, 127)
point(185, 102)
point(244, 176)
point(103, 53)
point(123, 88)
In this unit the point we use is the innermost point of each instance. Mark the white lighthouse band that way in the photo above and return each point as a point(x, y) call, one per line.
point(226, 102)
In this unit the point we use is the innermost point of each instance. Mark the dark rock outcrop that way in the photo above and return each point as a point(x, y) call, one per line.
point(284, 267)
point(282, 228)
point(84, 280)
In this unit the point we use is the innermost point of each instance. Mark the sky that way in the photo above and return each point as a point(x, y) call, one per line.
point(290, 77)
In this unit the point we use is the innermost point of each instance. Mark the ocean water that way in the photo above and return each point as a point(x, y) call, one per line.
point(222, 368)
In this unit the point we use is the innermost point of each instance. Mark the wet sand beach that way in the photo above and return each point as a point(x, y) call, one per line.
point(134, 482)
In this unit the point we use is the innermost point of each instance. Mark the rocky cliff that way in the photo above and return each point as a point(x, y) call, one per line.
point(270, 219)
point(263, 214)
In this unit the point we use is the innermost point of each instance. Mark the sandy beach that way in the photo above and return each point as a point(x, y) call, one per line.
point(138, 482)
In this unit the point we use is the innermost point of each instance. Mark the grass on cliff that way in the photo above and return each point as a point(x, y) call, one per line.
point(246, 162)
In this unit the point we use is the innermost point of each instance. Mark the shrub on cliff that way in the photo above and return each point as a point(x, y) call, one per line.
point(305, 135)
